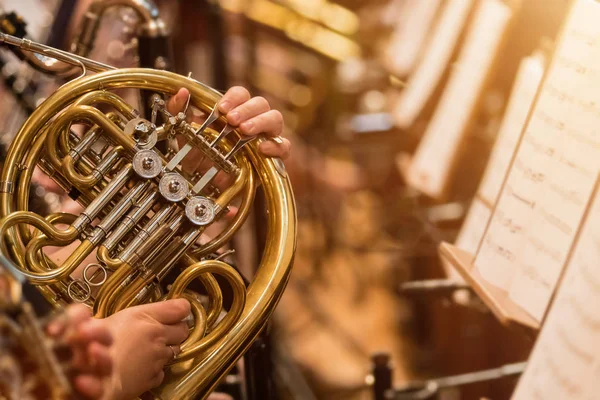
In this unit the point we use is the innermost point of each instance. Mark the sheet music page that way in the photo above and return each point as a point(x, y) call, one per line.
point(471, 232)
point(550, 182)
point(435, 155)
point(408, 39)
point(524, 89)
point(474, 226)
point(521, 99)
point(565, 362)
point(423, 81)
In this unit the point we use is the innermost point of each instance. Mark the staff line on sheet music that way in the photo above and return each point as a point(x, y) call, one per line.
point(584, 317)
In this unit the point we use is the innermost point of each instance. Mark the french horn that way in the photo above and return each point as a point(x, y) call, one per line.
point(150, 32)
point(143, 213)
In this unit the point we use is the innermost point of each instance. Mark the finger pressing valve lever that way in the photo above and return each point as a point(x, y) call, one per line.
point(238, 146)
point(214, 115)
point(212, 172)
point(226, 131)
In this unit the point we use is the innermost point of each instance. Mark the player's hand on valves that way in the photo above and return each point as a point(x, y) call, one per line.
point(147, 337)
point(252, 115)
point(89, 341)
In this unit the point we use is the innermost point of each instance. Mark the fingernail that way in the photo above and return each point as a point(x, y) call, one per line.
point(224, 106)
point(248, 127)
point(233, 117)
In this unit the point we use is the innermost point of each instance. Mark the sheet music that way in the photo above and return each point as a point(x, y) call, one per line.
point(470, 233)
point(423, 81)
point(433, 160)
point(541, 204)
point(524, 89)
point(565, 363)
point(523, 93)
point(474, 226)
point(409, 37)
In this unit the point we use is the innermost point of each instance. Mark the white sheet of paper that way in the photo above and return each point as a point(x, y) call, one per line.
point(431, 165)
point(423, 81)
point(410, 36)
point(470, 233)
point(473, 228)
point(521, 99)
point(523, 92)
point(547, 189)
point(565, 362)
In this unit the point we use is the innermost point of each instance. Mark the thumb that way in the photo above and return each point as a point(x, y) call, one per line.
point(168, 312)
point(176, 103)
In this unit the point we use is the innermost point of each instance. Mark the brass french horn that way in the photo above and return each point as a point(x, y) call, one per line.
point(143, 213)
point(151, 34)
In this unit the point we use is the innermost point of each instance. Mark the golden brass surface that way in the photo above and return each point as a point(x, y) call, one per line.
point(135, 232)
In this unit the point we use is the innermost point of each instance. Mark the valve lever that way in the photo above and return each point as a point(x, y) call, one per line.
point(213, 116)
point(187, 103)
point(156, 103)
point(226, 131)
point(238, 146)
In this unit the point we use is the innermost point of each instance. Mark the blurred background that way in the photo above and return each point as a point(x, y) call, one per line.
point(362, 85)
